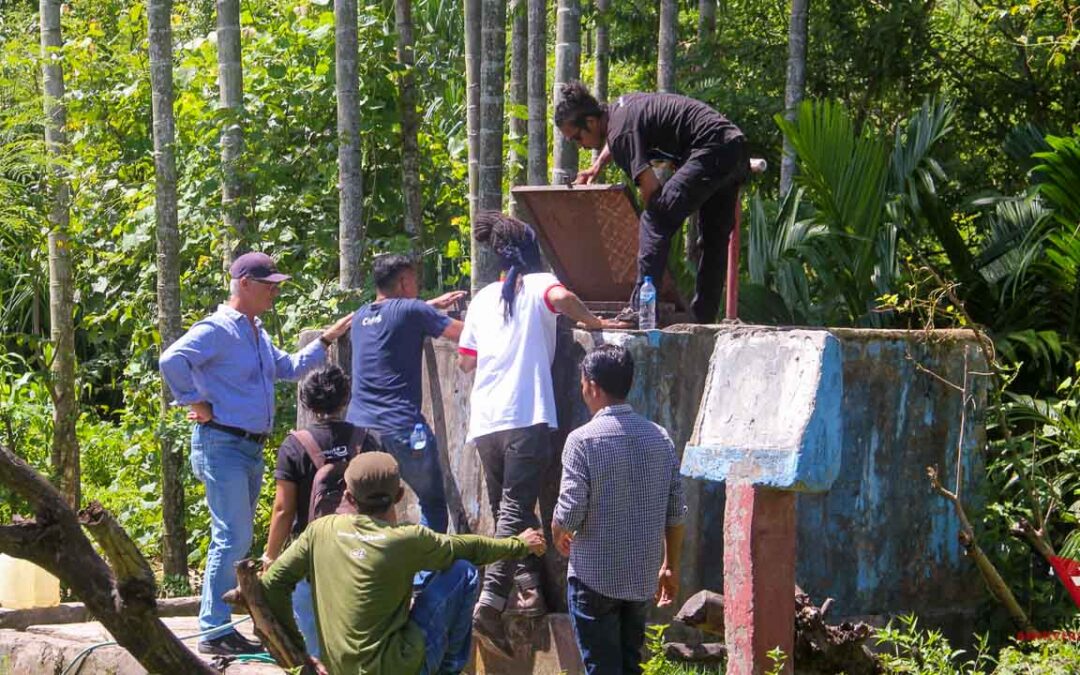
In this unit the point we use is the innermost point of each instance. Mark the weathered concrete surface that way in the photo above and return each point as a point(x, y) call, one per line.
point(759, 587)
point(770, 414)
point(42, 650)
point(76, 612)
point(879, 542)
point(541, 647)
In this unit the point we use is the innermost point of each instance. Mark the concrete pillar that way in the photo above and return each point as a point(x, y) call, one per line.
point(759, 577)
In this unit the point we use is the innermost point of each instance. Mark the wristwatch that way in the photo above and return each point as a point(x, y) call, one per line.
point(325, 341)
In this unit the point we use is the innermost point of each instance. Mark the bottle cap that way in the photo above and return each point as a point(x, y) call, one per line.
point(418, 427)
point(648, 280)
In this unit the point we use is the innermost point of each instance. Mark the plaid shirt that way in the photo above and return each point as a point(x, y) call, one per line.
point(620, 489)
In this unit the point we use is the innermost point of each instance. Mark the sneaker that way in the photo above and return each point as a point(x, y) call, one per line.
point(230, 644)
point(489, 629)
point(628, 315)
point(528, 602)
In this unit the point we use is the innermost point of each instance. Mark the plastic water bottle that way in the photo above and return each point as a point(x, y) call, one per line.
point(647, 305)
point(418, 438)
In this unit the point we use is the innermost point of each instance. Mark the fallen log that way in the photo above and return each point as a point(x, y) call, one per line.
point(121, 598)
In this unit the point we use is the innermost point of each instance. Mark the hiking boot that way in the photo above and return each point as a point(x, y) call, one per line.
point(230, 644)
point(489, 629)
point(526, 602)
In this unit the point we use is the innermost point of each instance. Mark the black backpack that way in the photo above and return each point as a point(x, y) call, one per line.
point(328, 485)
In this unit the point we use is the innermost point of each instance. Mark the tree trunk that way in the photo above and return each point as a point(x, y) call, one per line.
point(706, 20)
point(65, 444)
point(121, 597)
point(472, 121)
point(567, 68)
point(174, 541)
point(231, 86)
point(485, 267)
point(796, 84)
point(248, 596)
point(665, 58)
point(410, 124)
point(537, 92)
point(350, 179)
point(600, 76)
point(519, 98)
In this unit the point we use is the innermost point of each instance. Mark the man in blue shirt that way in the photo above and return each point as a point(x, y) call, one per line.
point(224, 369)
point(387, 341)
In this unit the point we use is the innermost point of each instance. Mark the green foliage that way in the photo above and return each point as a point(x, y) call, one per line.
point(1040, 657)
point(908, 649)
point(659, 664)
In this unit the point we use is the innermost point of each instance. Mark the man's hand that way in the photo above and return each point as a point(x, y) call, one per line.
point(534, 539)
point(669, 586)
point(316, 665)
point(447, 300)
point(587, 176)
point(338, 329)
point(200, 412)
point(602, 324)
point(266, 561)
point(562, 538)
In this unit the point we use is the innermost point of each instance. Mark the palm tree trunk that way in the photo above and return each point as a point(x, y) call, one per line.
point(537, 92)
point(600, 76)
point(665, 61)
point(567, 68)
point(706, 20)
point(485, 268)
point(796, 84)
point(231, 86)
point(65, 445)
point(472, 121)
point(350, 178)
point(410, 124)
point(519, 97)
point(174, 542)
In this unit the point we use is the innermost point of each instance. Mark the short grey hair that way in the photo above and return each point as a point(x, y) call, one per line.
point(234, 287)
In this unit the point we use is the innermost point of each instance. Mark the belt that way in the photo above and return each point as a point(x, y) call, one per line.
point(238, 432)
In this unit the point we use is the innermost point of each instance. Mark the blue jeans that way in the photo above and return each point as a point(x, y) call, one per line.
point(304, 612)
point(609, 632)
point(422, 472)
point(231, 468)
point(443, 611)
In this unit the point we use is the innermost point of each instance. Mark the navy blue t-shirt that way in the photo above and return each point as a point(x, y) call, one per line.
point(387, 344)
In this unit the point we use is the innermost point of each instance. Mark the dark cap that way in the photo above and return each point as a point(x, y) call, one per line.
point(257, 266)
point(373, 479)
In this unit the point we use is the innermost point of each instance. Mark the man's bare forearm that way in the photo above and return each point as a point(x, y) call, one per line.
point(673, 541)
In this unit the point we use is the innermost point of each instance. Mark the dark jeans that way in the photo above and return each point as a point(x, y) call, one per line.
point(422, 472)
point(708, 183)
point(514, 462)
point(609, 632)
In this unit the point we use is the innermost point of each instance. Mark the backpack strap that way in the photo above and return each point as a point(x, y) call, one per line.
point(314, 452)
point(361, 438)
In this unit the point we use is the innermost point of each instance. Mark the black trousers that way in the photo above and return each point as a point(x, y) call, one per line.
point(515, 462)
point(708, 183)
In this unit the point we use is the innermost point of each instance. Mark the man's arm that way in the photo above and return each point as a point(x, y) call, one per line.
point(589, 175)
point(573, 503)
point(669, 570)
point(443, 549)
point(291, 366)
point(649, 186)
point(564, 301)
point(178, 363)
point(280, 580)
point(281, 520)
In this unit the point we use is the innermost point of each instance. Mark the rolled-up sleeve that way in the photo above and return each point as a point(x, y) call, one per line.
point(178, 362)
point(293, 366)
point(573, 504)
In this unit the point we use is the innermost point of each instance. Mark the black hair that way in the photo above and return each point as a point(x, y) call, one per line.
point(575, 104)
point(325, 390)
point(611, 367)
point(388, 268)
point(514, 242)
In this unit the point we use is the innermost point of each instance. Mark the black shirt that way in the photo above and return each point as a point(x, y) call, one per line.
point(644, 127)
point(293, 464)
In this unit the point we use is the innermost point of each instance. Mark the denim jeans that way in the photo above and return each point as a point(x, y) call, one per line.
point(609, 632)
point(514, 462)
point(422, 472)
point(443, 611)
point(304, 612)
point(231, 468)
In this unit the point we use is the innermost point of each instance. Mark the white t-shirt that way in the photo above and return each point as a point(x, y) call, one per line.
point(513, 388)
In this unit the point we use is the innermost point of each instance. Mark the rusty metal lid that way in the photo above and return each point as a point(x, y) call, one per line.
point(589, 234)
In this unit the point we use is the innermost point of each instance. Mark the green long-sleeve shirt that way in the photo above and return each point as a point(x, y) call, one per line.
point(361, 573)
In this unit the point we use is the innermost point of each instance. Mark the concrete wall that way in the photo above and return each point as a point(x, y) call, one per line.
point(879, 542)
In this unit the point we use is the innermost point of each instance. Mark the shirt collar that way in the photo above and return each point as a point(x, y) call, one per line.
point(227, 310)
point(614, 410)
